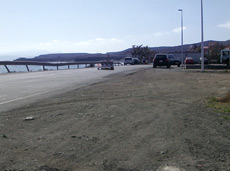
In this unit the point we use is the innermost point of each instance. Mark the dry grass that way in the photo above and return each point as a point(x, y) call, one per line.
point(221, 105)
point(224, 99)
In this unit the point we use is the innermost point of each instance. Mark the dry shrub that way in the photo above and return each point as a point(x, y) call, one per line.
point(224, 99)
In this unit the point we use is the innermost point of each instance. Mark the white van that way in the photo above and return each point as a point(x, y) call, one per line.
point(128, 60)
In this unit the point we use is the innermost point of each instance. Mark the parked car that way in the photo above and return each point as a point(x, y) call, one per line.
point(136, 61)
point(205, 61)
point(189, 60)
point(128, 60)
point(225, 56)
point(174, 60)
point(106, 65)
point(161, 60)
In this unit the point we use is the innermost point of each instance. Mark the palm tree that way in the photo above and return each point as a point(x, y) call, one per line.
point(142, 53)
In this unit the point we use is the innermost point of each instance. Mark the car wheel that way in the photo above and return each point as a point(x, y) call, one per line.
point(168, 66)
point(154, 66)
point(178, 65)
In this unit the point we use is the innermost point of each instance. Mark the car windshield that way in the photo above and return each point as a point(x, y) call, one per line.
point(161, 56)
point(225, 53)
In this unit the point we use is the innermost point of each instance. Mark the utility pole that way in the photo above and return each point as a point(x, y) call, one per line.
point(182, 28)
point(202, 38)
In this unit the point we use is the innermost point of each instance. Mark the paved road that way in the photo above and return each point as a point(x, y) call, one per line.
point(20, 89)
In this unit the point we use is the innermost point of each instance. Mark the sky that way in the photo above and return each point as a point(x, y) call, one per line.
point(29, 28)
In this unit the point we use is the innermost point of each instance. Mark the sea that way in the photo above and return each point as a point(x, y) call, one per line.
point(34, 68)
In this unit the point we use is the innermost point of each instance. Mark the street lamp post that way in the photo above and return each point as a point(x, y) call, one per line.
point(182, 59)
point(202, 38)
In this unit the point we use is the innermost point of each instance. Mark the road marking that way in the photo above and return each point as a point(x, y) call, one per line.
point(104, 77)
point(25, 97)
point(44, 92)
point(32, 95)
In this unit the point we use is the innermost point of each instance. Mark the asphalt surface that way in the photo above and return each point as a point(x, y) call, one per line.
point(21, 89)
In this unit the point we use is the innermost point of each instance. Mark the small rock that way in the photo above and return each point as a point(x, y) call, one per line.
point(164, 152)
point(47, 168)
point(59, 153)
point(222, 160)
point(4, 136)
point(29, 118)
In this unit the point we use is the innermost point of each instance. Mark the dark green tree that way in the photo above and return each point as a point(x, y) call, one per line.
point(144, 54)
point(214, 51)
point(136, 51)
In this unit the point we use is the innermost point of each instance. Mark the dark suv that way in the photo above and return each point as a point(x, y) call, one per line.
point(174, 60)
point(161, 60)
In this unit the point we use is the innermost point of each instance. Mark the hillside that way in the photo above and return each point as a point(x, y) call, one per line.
point(113, 55)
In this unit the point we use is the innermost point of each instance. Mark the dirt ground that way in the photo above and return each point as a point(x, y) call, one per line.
point(150, 120)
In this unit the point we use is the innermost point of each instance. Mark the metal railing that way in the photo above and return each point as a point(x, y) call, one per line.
point(53, 64)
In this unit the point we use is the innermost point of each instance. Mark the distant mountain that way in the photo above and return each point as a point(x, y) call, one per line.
point(63, 57)
point(173, 49)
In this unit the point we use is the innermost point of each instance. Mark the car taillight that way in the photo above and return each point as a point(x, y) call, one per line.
point(167, 60)
point(155, 60)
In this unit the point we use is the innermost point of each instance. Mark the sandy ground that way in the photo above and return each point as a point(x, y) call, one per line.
point(154, 119)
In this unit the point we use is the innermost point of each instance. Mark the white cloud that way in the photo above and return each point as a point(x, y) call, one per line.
point(93, 42)
point(50, 43)
point(99, 39)
point(159, 34)
point(45, 44)
point(115, 40)
point(178, 30)
point(55, 41)
point(92, 45)
point(83, 43)
point(167, 33)
point(225, 25)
